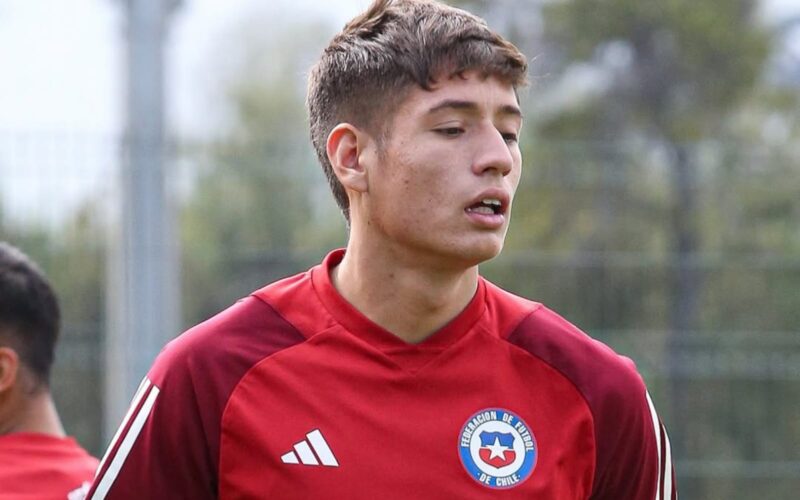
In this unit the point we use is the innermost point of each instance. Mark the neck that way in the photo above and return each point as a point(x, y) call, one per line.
point(405, 295)
point(35, 414)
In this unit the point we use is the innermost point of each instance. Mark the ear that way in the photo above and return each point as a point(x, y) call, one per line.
point(9, 368)
point(345, 147)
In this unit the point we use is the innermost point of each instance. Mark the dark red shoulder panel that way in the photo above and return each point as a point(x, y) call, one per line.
point(627, 462)
point(168, 445)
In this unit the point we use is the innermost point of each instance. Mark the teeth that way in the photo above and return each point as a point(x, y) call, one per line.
point(487, 206)
point(482, 210)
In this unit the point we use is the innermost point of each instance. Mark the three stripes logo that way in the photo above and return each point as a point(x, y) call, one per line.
point(313, 450)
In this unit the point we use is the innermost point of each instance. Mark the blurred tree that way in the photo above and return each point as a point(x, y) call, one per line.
point(259, 209)
point(676, 70)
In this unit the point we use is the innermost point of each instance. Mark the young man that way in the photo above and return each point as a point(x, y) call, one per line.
point(393, 370)
point(37, 460)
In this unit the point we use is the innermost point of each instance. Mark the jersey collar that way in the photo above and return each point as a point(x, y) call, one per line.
point(358, 324)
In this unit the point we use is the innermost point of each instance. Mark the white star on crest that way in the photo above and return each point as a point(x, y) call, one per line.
point(497, 449)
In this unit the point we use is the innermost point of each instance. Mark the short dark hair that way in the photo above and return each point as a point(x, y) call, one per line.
point(29, 313)
point(368, 68)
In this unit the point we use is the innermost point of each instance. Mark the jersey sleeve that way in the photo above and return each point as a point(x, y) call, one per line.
point(162, 449)
point(633, 455)
point(168, 445)
point(633, 459)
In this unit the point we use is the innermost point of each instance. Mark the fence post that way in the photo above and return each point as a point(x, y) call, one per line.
point(143, 307)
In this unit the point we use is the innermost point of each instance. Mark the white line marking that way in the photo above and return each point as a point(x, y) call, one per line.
point(125, 448)
point(667, 469)
point(134, 403)
point(657, 429)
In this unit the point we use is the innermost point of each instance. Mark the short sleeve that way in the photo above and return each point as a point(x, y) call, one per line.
point(160, 449)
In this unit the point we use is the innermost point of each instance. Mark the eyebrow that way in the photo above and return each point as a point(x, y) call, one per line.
point(472, 107)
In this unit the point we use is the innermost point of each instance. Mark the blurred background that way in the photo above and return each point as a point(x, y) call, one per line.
point(154, 159)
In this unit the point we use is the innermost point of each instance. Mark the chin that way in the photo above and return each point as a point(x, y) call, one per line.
point(489, 254)
point(461, 251)
point(478, 252)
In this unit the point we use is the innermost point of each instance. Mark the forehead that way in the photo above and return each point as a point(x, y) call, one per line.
point(484, 94)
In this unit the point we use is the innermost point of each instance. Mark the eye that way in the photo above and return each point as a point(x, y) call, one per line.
point(450, 131)
point(510, 137)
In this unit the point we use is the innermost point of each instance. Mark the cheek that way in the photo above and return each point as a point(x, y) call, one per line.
point(417, 178)
point(429, 190)
point(416, 187)
point(420, 194)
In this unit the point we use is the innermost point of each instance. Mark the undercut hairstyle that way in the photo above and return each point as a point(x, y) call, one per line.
point(29, 313)
point(369, 68)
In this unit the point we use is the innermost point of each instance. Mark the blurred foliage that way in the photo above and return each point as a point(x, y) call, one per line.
point(255, 212)
point(682, 64)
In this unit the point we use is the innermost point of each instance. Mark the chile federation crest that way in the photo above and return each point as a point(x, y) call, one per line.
point(497, 448)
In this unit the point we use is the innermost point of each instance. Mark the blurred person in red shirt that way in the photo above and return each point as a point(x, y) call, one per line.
point(37, 459)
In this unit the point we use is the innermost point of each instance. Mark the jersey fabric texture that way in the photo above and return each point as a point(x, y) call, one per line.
point(43, 467)
point(294, 394)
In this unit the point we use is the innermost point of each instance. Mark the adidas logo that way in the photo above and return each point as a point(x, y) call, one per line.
point(311, 451)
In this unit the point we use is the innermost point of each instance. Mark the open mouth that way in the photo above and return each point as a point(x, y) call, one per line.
point(487, 206)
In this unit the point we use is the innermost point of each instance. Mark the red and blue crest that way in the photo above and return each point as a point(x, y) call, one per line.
point(497, 448)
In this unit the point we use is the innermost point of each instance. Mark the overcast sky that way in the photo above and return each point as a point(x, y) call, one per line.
point(61, 61)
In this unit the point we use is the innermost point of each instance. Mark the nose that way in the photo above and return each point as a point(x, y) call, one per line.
point(492, 153)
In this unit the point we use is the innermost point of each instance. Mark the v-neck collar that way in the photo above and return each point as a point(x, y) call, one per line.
point(359, 325)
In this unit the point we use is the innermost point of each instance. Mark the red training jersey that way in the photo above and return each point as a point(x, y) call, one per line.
point(43, 467)
point(294, 394)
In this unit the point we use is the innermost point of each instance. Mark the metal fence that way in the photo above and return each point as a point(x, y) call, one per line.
point(590, 239)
